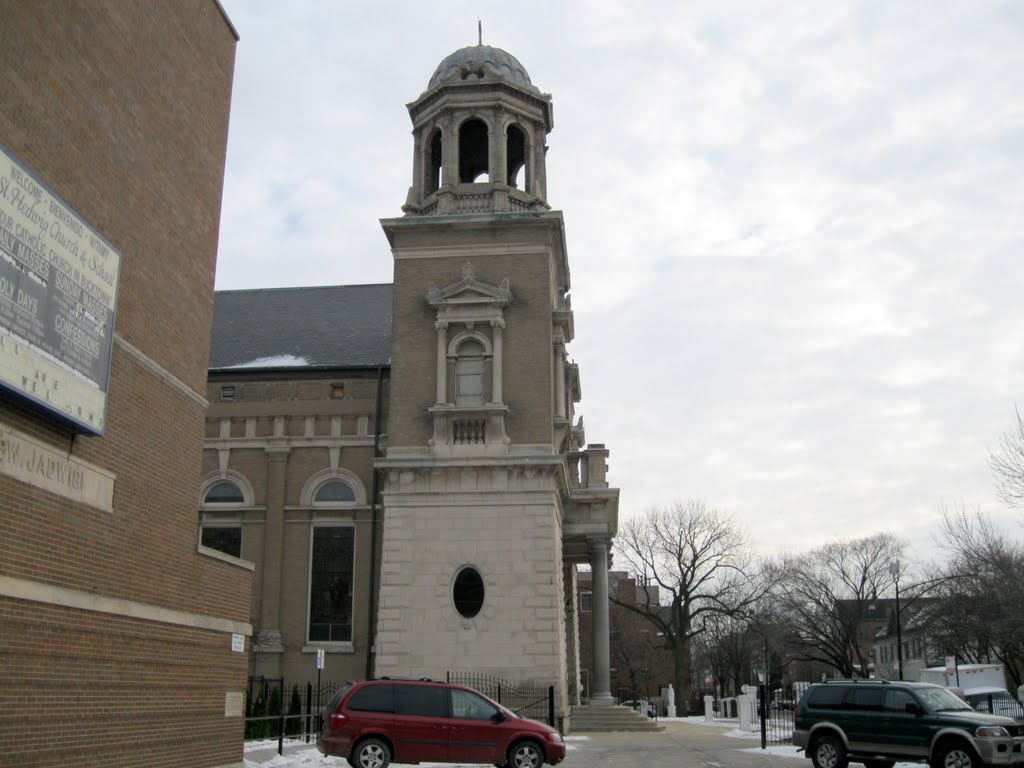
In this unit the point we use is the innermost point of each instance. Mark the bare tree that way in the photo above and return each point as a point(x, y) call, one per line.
point(701, 562)
point(825, 598)
point(1007, 463)
point(980, 617)
point(724, 651)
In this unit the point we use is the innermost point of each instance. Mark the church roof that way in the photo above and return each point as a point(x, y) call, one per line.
point(338, 326)
point(473, 57)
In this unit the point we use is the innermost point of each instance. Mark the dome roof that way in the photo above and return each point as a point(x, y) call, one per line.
point(474, 57)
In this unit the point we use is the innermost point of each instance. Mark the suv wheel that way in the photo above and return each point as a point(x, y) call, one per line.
point(955, 754)
point(829, 752)
point(525, 754)
point(372, 753)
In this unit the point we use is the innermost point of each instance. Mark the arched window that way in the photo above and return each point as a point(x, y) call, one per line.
point(220, 527)
point(334, 492)
point(468, 592)
point(469, 373)
point(473, 154)
point(515, 146)
point(434, 157)
point(224, 492)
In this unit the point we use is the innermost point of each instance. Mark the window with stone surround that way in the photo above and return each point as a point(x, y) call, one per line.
point(223, 538)
point(469, 374)
point(331, 575)
point(334, 492)
point(224, 492)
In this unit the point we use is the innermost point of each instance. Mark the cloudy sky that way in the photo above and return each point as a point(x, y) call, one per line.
point(795, 229)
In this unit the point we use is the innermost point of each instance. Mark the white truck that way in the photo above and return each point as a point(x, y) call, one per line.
point(966, 676)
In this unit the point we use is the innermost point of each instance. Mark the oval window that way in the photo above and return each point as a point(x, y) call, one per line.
point(468, 592)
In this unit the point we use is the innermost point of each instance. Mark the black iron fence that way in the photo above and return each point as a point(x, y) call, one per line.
point(534, 702)
point(274, 710)
point(775, 715)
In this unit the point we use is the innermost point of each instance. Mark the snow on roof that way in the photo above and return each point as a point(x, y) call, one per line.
point(275, 361)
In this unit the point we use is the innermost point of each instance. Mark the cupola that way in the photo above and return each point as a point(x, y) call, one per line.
point(479, 133)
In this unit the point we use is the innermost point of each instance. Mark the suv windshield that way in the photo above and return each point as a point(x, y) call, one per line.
point(941, 700)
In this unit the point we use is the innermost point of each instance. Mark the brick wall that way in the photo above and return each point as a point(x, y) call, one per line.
point(115, 634)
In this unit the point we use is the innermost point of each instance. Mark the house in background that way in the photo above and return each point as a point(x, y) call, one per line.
point(640, 666)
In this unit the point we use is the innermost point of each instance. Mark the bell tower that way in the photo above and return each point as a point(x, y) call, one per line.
point(479, 137)
point(485, 514)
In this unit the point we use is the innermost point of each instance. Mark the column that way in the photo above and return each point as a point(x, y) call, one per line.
point(268, 639)
point(449, 151)
point(442, 361)
point(601, 688)
point(496, 331)
point(559, 375)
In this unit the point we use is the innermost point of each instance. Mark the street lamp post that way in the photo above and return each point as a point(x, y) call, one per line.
point(894, 569)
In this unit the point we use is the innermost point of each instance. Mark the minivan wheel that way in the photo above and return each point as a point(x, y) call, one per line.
point(525, 754)
point(828, 752)
point(372, 753)
point(956, 754)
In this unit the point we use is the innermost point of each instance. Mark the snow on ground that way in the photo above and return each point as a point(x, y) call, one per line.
point(263, 754)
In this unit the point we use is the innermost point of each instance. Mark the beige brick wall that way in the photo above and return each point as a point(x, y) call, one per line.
point(122, 110)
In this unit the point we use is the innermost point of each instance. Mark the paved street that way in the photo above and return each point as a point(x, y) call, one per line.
point(682, 745)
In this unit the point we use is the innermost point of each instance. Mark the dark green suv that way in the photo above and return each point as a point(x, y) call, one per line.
point(879, 722)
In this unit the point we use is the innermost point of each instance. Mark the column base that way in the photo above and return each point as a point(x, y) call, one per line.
point(602, 700)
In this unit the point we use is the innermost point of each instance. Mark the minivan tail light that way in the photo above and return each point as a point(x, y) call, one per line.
point(338, 720)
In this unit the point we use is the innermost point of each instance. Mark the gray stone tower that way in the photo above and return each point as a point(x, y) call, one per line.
point(490, 497)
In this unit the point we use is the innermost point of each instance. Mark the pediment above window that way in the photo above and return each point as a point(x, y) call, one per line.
point(468, 294)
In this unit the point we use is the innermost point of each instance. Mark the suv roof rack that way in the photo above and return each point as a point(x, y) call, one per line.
point(866, 680)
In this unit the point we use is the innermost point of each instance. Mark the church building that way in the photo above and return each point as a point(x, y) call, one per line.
point(403, 464)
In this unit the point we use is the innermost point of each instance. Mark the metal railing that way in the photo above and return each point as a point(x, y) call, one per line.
point(529, 701)
point(274, 710)
point(636, 700)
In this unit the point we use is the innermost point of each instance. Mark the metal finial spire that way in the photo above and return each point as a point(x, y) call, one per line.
point(479, 31)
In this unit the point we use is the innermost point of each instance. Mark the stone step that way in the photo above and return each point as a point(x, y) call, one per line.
point(606, 719)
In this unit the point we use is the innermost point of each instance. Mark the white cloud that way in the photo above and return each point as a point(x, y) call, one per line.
point(794, 229)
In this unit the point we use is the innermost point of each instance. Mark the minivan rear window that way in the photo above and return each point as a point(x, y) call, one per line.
point(373, 698)
point(826, 696)
point(337, 696)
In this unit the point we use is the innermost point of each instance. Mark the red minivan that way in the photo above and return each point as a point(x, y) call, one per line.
point(377, 722)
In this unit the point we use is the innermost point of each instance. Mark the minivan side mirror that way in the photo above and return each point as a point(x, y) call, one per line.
point(499, 717)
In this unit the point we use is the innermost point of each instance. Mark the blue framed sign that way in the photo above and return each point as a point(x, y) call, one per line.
point(58, 295)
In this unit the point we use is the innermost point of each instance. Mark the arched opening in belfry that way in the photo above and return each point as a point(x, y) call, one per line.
point(473, 154)
point(515, 150)
point(434, 162)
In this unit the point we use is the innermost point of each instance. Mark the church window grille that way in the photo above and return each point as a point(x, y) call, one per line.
point(468, 592)
point(331, 574)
